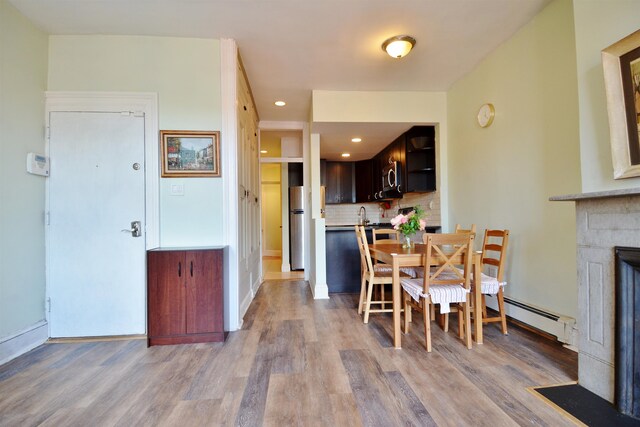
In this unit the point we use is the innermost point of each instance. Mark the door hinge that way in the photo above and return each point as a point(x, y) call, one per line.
point(47, 133)
point(49, 305)
point(47, 218)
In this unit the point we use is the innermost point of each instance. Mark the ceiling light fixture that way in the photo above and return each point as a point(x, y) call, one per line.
point(280, 103)
point(398, 46)
point(346, 155)
point(356, 139)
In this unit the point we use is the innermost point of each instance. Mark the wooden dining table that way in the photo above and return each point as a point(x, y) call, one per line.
point(396, 256)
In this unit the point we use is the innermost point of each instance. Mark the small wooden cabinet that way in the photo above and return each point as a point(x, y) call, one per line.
point(185, 295)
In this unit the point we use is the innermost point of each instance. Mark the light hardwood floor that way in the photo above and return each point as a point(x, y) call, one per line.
point(295, 362)
point(271, 270)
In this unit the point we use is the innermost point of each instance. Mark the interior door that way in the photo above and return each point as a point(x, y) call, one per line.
point(95, 266)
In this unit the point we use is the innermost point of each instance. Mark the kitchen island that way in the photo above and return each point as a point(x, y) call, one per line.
point(343, 256)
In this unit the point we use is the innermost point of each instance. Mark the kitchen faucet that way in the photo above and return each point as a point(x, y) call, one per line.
point(363, 218)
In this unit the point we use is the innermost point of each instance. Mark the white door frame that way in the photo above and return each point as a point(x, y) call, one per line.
point(127, 103)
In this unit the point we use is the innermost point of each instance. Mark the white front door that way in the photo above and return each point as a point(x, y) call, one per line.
point(96, 271)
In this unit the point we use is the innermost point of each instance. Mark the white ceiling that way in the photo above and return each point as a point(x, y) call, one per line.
point(290, 47)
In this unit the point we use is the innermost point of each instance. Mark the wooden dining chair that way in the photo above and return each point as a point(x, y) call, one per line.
point(387, 235)
point(370, 278)
point(459, 229)
point(382, 235)
point(443, 282)
point(494, 252)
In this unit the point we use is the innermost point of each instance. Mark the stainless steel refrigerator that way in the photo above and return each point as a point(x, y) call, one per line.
point(296, 227)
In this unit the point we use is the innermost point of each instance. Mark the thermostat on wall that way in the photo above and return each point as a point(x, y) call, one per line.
point(37, 164)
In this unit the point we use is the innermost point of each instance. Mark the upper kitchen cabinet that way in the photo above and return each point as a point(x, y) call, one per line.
point(420, 163)
point(340, 183)
point(364, 181)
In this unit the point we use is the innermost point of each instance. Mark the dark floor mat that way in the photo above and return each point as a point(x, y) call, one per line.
point(586, 406)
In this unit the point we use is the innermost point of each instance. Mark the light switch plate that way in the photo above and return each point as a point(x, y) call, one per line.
point(177, 190)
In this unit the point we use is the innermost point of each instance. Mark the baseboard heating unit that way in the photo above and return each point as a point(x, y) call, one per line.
point(561, 326)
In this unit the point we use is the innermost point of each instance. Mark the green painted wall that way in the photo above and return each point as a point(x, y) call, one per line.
point(23, 79)
point(186, 75)
point(503, 175)
point(599, 24)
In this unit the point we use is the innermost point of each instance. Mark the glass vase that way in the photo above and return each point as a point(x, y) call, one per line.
point(407, 243)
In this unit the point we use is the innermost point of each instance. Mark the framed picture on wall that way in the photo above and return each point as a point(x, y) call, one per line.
point(621, 63)
point(190, 153)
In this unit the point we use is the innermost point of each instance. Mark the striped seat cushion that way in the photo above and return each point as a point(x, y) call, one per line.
point(439, 294)
point(385, 268)
point(490, 285)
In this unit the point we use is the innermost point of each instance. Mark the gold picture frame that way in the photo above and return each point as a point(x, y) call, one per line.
point(190, 153)
point(621, 64)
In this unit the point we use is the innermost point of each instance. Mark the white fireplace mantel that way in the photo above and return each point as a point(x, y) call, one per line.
point(596, 195)
point(604, 220)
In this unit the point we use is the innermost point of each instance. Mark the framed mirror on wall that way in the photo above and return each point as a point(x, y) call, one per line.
point(621, 63)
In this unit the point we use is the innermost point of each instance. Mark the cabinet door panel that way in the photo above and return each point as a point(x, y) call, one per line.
point(347, 187)
point(166, 293)
point(204, 291)
point(332, 192)
point(364, 181)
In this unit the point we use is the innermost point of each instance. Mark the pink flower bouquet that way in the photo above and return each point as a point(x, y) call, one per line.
point(410, 223)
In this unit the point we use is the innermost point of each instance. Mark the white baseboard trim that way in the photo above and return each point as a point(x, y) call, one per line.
point(319, 290)
point(24, 341)
point(244, 306)
point(254, 288)
point(286, 267)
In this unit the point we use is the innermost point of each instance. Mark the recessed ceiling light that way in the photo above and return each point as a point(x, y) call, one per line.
point(346, 155)
point(280, 103)
point(263, 151)
point(356, 139)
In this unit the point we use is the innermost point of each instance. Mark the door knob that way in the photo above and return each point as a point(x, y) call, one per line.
point(135, 230)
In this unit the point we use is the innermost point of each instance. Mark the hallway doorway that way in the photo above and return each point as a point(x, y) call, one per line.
point(280, 168)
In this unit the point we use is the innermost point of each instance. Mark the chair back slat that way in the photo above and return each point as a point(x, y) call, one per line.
point(385, 241)
point(461, 230)
point(493, 247)
point(491, 261)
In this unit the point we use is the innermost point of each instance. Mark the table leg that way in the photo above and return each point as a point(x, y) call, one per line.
point(477, 295)
point(397, 335)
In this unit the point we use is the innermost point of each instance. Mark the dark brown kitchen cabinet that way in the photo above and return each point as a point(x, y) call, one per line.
point(421, 159)
point(185, 295)
point(364, 181)
point(339, 183)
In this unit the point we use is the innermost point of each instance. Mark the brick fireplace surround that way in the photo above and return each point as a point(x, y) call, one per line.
point(604, 220)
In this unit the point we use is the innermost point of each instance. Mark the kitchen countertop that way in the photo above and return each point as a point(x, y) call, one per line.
point(350, 227)
point(430, 228)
